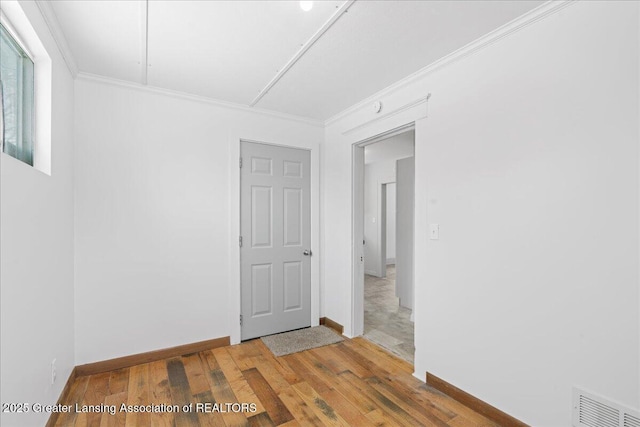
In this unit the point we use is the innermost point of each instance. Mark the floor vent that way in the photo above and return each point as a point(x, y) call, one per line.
point(591, 410)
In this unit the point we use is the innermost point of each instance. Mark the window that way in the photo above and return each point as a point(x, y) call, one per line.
point(17, 99)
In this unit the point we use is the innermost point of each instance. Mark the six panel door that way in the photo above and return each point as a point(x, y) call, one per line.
point(276, 233)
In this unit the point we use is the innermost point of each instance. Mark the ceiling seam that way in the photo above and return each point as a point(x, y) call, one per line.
point(144, 42)
point(303, 49)
point(50, 18)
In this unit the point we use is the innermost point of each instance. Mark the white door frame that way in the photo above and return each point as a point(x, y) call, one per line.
point(357, 191)
point(234, 288)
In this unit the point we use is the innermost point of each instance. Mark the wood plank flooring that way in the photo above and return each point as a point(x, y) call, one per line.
point(352, 383)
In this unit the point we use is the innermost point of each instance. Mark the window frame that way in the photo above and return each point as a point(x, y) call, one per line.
point(27, 94)
point(14, 16)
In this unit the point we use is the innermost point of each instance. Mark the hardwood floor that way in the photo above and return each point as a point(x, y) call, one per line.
point(352, 383)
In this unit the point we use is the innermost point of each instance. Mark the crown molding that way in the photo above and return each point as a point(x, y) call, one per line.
point(511, 27)
point(544, 10)
point(51, 20)
point(196, 98)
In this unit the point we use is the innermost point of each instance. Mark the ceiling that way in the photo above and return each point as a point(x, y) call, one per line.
point(272, 54)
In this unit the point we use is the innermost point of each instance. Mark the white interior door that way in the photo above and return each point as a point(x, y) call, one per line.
point(275, 216)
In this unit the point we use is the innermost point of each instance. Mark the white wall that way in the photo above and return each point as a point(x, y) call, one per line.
point(529, 163)
point(391, 223)
point(36, 267)
point(155, 190)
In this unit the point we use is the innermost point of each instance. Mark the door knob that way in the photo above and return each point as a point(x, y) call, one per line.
point(306, 252)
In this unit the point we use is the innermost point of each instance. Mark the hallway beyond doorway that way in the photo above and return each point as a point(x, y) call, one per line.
point(386, 323)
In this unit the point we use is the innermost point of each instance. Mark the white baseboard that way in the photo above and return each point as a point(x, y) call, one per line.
point(391, 261)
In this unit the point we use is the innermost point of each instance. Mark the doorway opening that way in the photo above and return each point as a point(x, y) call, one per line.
point(383, 210)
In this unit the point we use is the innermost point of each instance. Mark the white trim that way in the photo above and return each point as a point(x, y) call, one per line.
point(387, 134)
point(15, 34)
point(51, 20)
point(392, 113)
point(197, 98)
point(356, 306)
point(639, 193)
point(303, 49)
point(534, 15)
point(234, 269)
point(273, 144)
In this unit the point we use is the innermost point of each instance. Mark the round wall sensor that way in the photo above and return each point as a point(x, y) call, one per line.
point(377, 107)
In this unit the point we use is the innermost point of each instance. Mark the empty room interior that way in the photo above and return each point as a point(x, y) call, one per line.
point(262, 213)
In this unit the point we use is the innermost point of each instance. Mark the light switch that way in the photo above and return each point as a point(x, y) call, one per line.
point(434, 231)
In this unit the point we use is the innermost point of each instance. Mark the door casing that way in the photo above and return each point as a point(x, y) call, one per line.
point(357, 220)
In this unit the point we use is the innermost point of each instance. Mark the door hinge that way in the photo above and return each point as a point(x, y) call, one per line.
point(240, 241)
point(241, 320)
point(241, 162)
